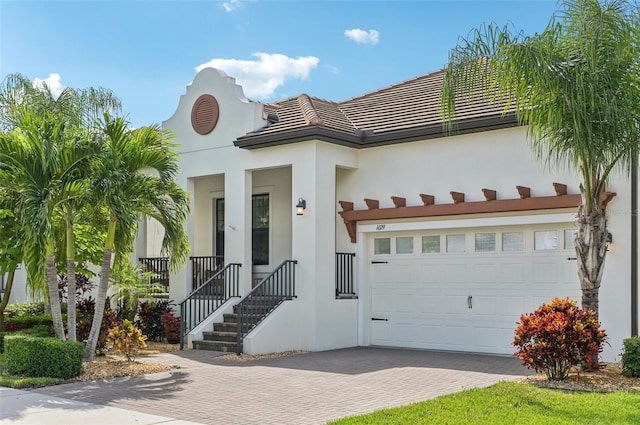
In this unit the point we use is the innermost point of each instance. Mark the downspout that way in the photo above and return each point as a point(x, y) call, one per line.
point(634, 247)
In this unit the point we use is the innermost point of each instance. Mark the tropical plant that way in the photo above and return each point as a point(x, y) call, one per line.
point(171, 326)
point(85, 309)
point(10, 253)
point(135, 177)
point(149, 318)
point(558, 336)
point(44, 157)
point(126, 338)
point(34, 162)
point(576, 86)
point(128, 285)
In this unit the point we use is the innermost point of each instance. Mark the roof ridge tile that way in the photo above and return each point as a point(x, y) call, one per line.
point(309, 111)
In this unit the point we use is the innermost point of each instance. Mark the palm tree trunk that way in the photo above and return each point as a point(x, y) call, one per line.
point(54, 297)
point(71, 298)
point(591, 249)
point(101, 298)
point(5, 297)
point(71, 278)
point(98, 314)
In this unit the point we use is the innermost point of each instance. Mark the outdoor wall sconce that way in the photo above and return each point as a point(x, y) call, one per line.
point(609, 240)
point(301, 206)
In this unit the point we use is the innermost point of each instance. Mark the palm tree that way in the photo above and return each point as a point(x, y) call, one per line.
point(576, 86)
point(135, 177)
point(36, 166)
point(68, 125)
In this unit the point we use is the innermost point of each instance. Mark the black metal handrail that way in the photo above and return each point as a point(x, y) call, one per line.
point(208, 297)
point(274, 289)
point(203, 267)
point(344, 274)
point(159, 266)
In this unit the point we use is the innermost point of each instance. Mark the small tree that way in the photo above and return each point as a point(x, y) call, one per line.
point(558, 336)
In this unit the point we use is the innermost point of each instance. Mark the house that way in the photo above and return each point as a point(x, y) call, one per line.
point(387, 231)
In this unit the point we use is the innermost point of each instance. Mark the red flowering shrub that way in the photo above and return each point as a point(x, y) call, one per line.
point(558, 336)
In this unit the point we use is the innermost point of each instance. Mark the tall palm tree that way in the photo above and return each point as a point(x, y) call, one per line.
point(576, 86)
point(135, 177)
point(37, 163)
point(66, 121)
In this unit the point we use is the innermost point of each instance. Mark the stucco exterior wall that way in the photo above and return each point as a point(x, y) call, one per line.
point(497, 160)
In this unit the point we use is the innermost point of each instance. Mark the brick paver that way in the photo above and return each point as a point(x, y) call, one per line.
point(303, 389)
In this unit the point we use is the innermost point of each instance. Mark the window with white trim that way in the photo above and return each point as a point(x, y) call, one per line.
point(431, 244)
point(570, 238)
point(485, 242)
point(545, 240)
point(512, 241)
point(381, 246)
point(404, 245)
point(455, 243)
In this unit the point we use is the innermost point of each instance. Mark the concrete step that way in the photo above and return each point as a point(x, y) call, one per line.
point(246, 318)
point(215, 346)
point(225, 327)
point(219, 336)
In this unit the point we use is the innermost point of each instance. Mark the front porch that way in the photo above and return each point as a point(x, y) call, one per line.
point(216, 313)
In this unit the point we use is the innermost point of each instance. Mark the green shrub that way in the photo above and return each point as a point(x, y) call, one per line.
point(2, 335)
point(558, 336)
point(19, 323)
point(42, 331)
point(631, 357)
point(24, 309)
point(43, 357)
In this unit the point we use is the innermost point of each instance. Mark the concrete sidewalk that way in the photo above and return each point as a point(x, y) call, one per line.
point(33, 408)
point(304, 389)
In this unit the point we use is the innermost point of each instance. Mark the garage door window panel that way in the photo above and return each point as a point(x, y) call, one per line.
point(485, 242)
point(455, 243)
point(513, 241)
point(570, 238)
point(431, 244)
point(382, 246)
point(545, 240)
point(404, 245)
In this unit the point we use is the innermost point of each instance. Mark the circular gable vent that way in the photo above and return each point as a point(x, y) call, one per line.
point(204, 114)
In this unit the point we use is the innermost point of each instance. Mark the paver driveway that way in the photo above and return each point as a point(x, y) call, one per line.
point(302, 389)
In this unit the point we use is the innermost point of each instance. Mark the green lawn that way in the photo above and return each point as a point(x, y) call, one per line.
point(512, 403)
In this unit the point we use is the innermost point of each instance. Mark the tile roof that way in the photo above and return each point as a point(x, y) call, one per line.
point(402, 112)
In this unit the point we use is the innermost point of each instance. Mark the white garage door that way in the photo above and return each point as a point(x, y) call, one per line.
point(465, 289)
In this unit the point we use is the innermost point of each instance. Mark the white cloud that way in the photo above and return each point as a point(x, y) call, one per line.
point(362, 36)
point(231, 5)
point(260, 78)
point(334, 70)
point(53, 82)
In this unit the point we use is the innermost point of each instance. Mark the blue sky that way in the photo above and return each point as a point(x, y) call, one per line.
point(148, 51)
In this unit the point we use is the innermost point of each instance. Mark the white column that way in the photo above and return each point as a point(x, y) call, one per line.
point(237, 233)
point(180, 282)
